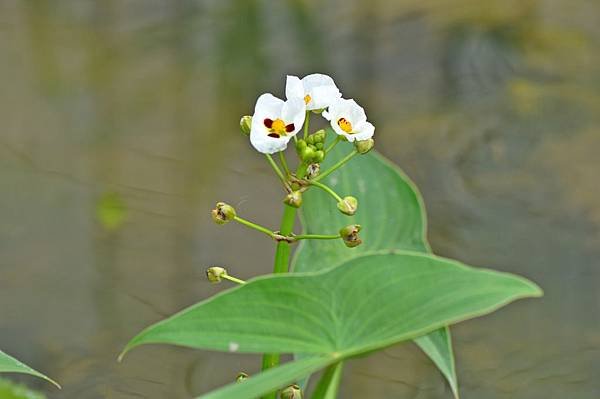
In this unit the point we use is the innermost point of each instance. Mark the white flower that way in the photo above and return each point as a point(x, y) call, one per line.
point(317, 90)
point(275, 122)
point(348, 119)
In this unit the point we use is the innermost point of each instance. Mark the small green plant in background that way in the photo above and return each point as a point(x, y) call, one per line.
point(363, 277)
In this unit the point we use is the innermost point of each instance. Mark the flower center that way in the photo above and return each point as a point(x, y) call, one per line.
point(345, 125)
point(307, 98)
point(277, 127)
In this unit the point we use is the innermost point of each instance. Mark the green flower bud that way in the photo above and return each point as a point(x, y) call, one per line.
point(291, 392)
point(223, 213)
point(313, 170)
point(310, 139)
point(307, 154)
point(215, 273)
point(245, 125)
point(300, 145)
point(294, 199)
point(319, 136)
point(319, 146)
point(241, 377)
point(348, 205)
point(319, 156)
point(350, 235)
point(364, 146)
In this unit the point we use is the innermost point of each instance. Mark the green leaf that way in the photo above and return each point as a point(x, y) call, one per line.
point(271, 380)
point(341, 312)
point(9, 364)
point(392, 215)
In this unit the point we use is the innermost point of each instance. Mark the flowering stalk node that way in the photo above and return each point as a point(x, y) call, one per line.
point(281, 238)
point(215, 274)
point(348, 205)
point(246, 125)
point(350, 235)
point(293, 199)
point(364, 146)
point(291, 392)
point(241, 377)
point(223, 213)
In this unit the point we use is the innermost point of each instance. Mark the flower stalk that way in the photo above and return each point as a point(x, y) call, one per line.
point(337, 165)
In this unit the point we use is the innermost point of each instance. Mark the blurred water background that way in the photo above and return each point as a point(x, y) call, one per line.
point(119, 132)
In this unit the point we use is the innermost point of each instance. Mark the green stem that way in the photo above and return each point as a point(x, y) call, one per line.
point(340, 163)
point(284, 163)
point(329, 384)
point(254, 226)
point(282, 257)
point(276, 169)
point(233, 279)
point(326, 189)
point(315, 237)
point(306, 123)
point(336, 141)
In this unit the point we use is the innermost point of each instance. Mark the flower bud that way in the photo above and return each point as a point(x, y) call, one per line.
point(291, 392)
point(310, 139)
point(319, 156)
point(319, 146)
point(313, 170)
point(223, 213)
point(294, 199)
point(241, 377)
point(350, 235)
point(319, 136)
point(307, 154)
point(215, 273)
point(348, 205)
point(245, 125)
point(300, 145)
point(364, 146)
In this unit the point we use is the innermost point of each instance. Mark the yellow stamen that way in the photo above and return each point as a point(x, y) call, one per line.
point(345, 125)
point(307, 99)
point(278, 126)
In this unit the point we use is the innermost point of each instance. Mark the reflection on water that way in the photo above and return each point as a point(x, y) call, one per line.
point(119, 132)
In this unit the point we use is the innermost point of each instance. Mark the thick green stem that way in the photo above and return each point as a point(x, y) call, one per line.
point(328, 385)
point(282, 257)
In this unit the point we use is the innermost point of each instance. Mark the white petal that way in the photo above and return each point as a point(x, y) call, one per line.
point(355, 113)
point(323, 97)
point(294, 111)
point(269, 145)
point(317, 79)
point(294, 88)
point(366, 131)
point(268, 105)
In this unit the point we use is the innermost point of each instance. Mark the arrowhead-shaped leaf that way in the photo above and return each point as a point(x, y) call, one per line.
point(392, 215)
point(365, 304)
point(9, 364)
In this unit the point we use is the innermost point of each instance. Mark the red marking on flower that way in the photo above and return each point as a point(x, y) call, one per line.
point(268, 123)
point(289, 128)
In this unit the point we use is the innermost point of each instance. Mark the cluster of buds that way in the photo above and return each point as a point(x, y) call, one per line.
point(311, 150)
